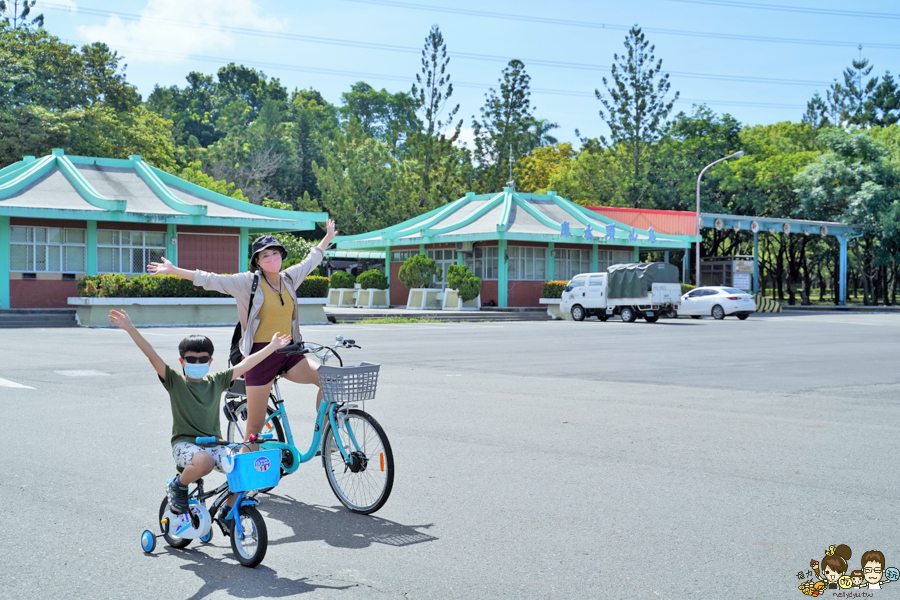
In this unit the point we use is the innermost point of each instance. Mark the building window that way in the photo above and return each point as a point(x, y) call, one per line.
point(569, 262)
point(128, 251)
point(482, 261)
point(442, 260)
point(402, 255)
point(47, 249)
point(526, 263)
point(607, 258)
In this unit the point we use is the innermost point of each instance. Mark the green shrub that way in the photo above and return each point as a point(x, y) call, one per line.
point(313, 286)
point(460, 278)
point(342, 279)
point(417, 271)
point(553, 289)
point(372, 279)
point(115, 285)
point(686, 287)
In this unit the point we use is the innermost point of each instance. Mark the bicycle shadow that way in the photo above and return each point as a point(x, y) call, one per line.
point(337, 526)
point(218, 574)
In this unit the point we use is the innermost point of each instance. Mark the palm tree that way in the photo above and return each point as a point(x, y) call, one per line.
point(538, 133)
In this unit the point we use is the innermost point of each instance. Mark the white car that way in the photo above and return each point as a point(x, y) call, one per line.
point(717, 302)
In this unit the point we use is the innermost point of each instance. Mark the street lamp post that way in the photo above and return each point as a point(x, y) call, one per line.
point(737, 154)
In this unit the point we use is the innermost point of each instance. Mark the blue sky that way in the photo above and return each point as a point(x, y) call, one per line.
point(757, 81)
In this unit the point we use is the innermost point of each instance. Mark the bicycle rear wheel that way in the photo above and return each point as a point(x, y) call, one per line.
point(171, 539)
point(364, 484)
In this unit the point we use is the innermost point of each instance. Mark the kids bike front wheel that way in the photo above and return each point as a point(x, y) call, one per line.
point(251, 543)
point(362, 483)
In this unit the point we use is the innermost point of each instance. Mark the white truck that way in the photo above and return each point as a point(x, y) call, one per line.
point(633, 291)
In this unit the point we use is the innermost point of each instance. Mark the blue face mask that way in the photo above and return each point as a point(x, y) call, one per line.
point(197, 371)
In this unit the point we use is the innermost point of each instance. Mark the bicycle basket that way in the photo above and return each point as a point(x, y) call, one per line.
point(253, 470)
point(349, 384)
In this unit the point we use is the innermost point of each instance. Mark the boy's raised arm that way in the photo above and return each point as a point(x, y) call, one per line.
point(278, 341)
point(123, 321)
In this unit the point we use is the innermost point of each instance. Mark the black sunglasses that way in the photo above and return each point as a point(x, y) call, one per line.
point(196, 359)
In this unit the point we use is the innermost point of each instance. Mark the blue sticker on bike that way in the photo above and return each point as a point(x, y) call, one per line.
point(262, 464)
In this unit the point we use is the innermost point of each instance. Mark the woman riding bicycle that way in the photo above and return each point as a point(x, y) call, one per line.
point(274, 309)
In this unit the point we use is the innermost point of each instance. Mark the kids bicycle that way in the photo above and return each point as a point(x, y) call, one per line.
point(243, 523)
point(356, 454)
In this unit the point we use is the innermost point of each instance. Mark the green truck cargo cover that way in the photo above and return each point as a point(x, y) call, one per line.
point(635, 280)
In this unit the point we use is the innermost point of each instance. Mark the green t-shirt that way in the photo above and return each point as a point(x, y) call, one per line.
point(195, 404)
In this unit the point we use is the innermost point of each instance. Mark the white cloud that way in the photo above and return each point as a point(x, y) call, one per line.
point(466, 137)
point(171, 30)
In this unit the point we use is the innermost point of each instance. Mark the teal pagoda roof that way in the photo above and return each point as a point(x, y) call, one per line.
point(514, 216)
point(58, 186)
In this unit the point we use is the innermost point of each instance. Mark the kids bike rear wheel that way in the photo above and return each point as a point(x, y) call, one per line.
point(364, 483)
point(251, 549)
point(172, 540)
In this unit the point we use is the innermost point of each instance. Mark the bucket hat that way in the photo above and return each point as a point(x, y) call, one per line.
point(261, 243)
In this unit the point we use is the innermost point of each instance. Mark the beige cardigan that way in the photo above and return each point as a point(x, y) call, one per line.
point(239, 285)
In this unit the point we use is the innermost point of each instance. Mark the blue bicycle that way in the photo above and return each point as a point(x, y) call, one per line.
point(356, 454)
point(243, 523)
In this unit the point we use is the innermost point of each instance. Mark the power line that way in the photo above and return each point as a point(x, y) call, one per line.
point(795, 9)
point(465, 55)
point(612, 27)
point(463, 84)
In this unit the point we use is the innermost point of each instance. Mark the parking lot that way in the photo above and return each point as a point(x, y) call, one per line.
point(681, 459)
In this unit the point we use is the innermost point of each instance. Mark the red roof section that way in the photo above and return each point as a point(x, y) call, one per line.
point(671, 222)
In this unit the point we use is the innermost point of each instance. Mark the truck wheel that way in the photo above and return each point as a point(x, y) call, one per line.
point(652, 319)
point(577, 313)
point(629, 315)
point(672, 314)
point(718, 312)
point(602, 316)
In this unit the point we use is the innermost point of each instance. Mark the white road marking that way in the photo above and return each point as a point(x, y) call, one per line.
point(13, 384)
point(84, 373)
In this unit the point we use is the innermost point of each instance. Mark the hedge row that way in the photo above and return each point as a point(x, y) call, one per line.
point(172, 286)
point(552, 289)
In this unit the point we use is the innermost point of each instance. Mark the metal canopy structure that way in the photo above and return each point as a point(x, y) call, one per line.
point(842, 231)
point(89, 189)
point(511, 216)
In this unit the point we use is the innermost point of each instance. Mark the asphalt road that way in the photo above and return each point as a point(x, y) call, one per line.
point(682, 459)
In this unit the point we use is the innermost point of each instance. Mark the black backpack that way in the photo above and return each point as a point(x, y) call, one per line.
point(234, 355)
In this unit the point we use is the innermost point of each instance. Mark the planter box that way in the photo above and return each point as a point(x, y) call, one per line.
point(423, 298)
point(180, 312)
point(372, 298)
point(342, 297)
point(553, 308)
point(452, 301)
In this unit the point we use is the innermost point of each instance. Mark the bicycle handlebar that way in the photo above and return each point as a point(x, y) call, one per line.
point(213, 440)
point(302, 347)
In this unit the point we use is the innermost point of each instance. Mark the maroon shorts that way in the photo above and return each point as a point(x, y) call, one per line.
point(264, 373)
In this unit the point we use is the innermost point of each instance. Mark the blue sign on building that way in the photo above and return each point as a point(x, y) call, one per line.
point(564, 229)
point(588, 232)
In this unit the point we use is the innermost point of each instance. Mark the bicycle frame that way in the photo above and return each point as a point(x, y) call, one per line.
point(329, 410)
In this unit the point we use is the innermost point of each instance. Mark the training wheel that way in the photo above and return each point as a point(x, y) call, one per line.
point(148, 541)
point(206, 538)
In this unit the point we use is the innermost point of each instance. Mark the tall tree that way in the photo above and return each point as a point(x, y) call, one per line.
point(381, 114)
point(886, 102)
point(539, 130)
point(431, 93)
point(635, 106)
point(502, 132)
point(859, 91)
point(15, 13)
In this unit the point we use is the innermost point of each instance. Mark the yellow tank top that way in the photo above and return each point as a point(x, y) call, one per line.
point(273, 317)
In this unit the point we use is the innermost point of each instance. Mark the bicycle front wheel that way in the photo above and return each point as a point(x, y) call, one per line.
point(252, 548)
point(237, 424)
point(364, 483)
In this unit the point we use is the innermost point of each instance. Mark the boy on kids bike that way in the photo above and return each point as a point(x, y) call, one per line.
point(194, 395)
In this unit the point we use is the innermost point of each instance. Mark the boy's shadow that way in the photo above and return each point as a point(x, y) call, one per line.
point(337, 526)
point(218, 574)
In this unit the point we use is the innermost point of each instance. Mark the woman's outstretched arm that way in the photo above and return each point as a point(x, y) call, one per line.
point(167, 268)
